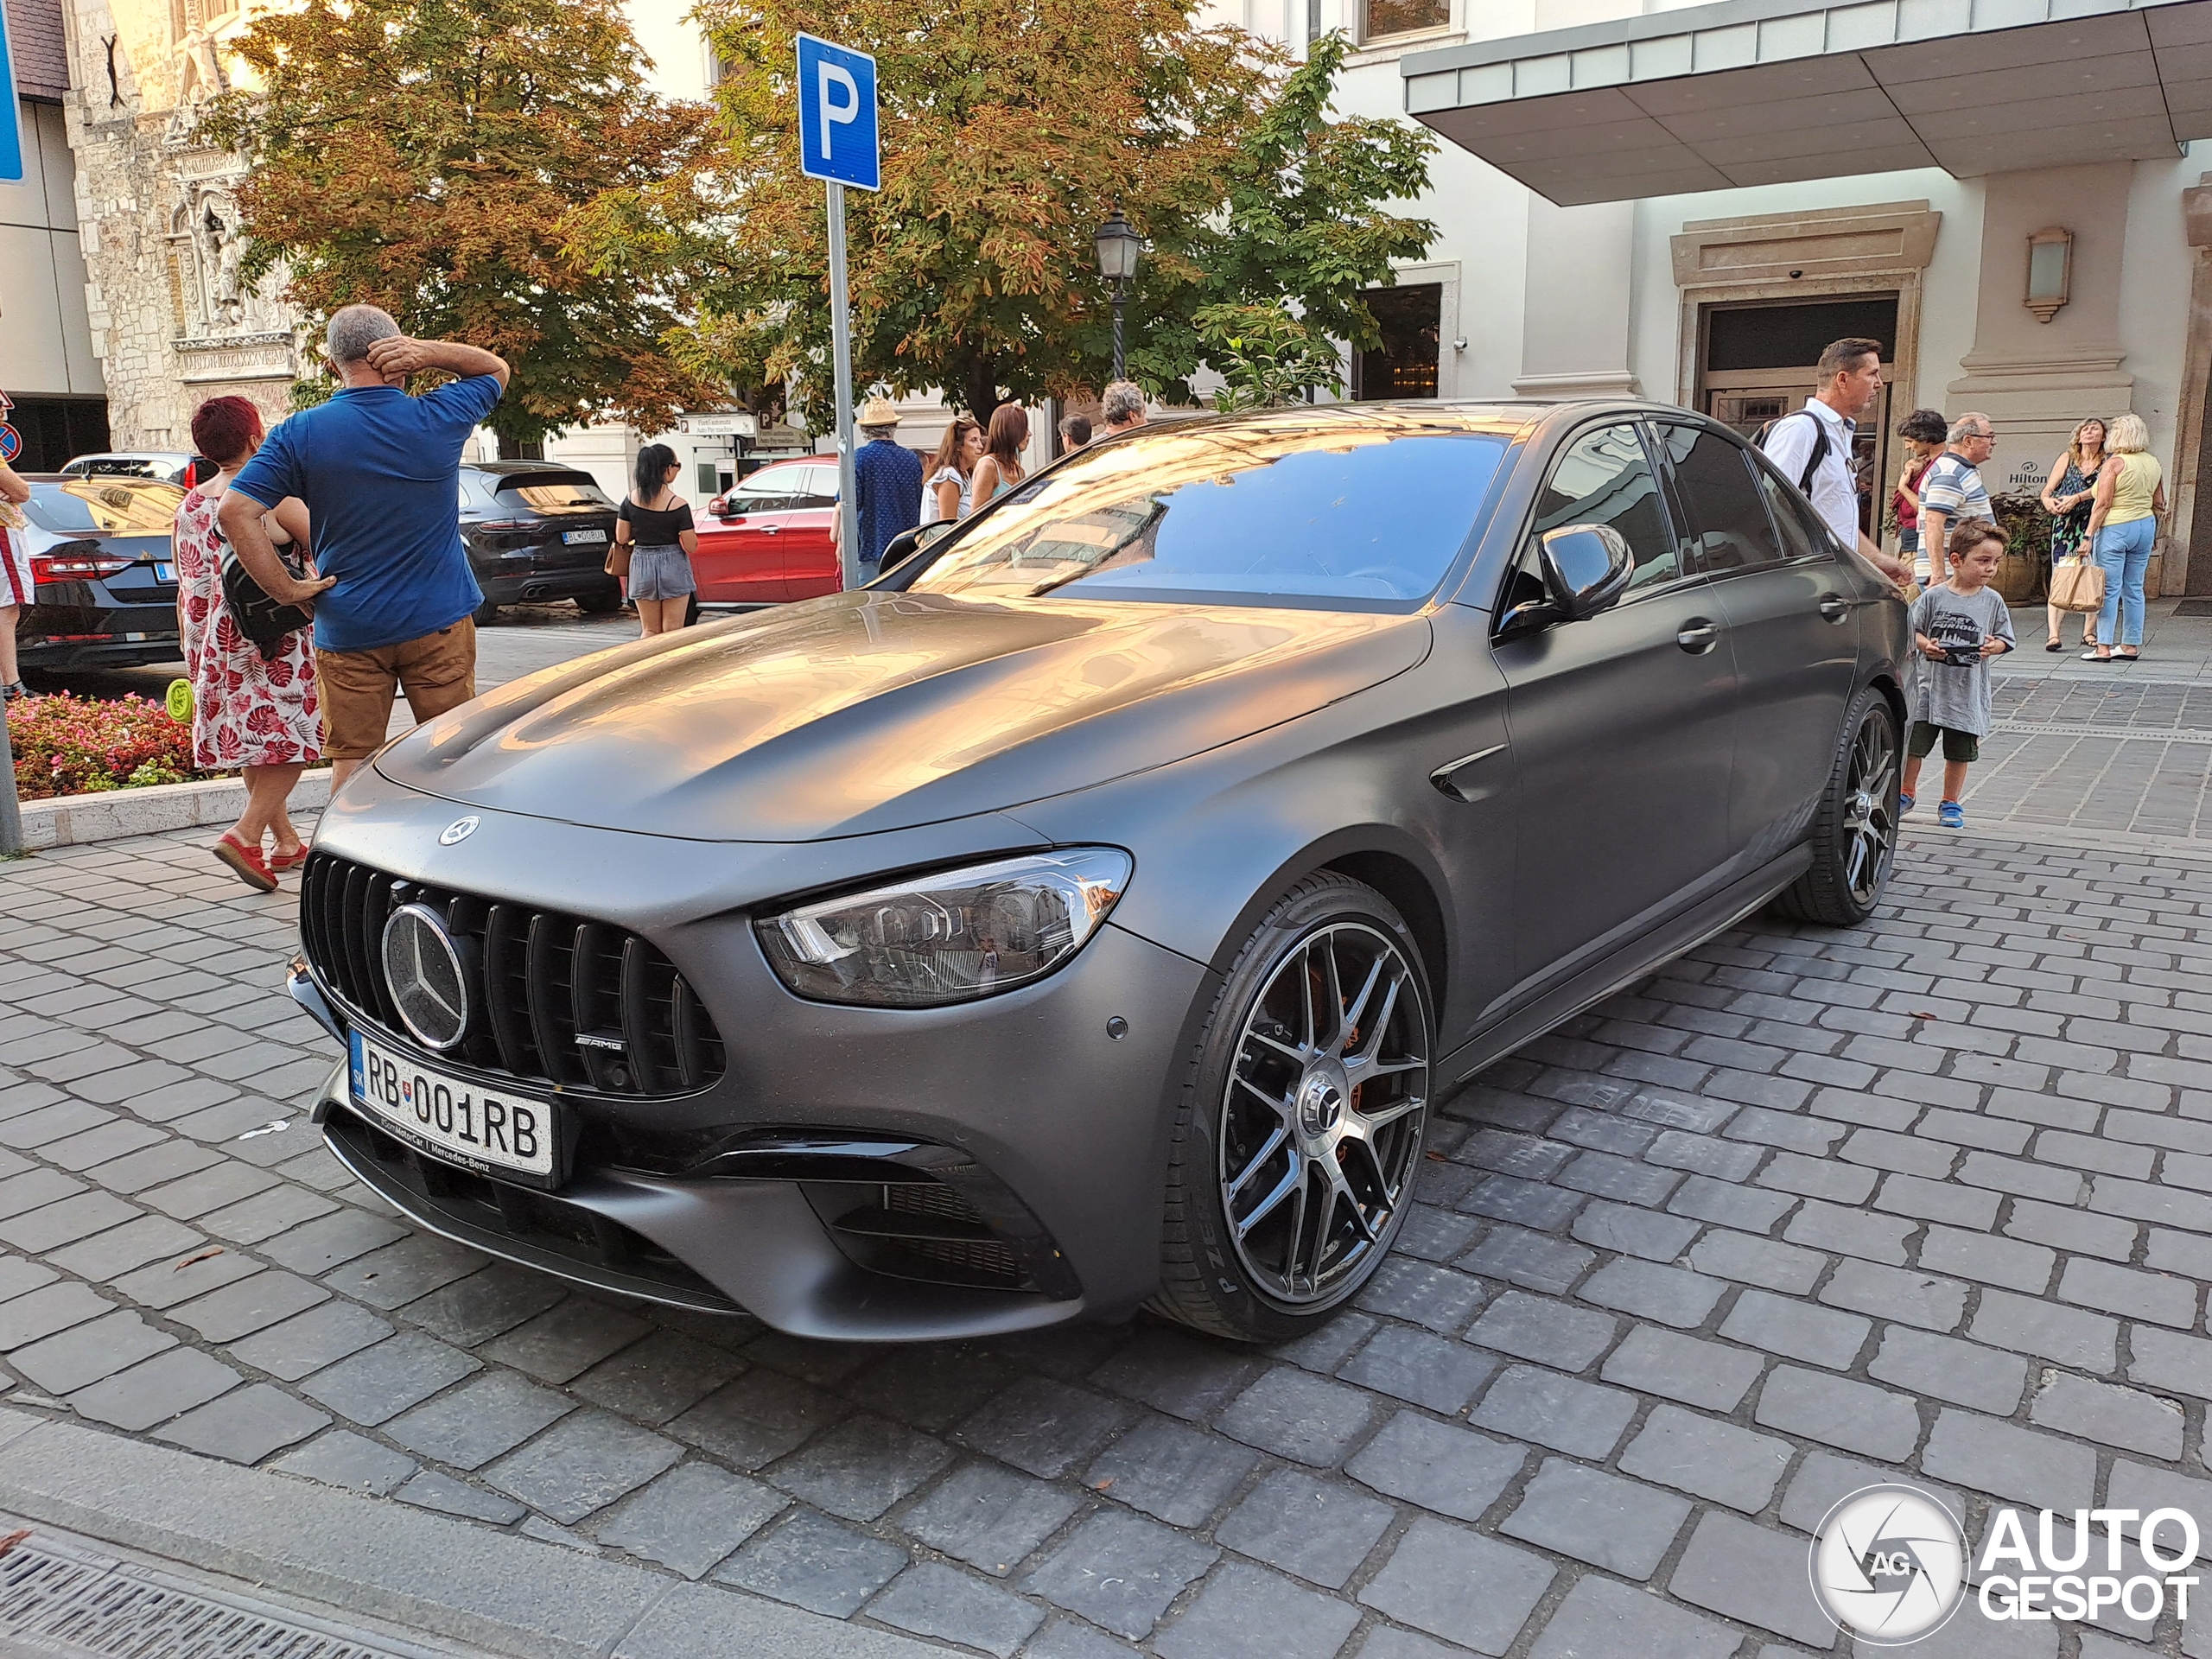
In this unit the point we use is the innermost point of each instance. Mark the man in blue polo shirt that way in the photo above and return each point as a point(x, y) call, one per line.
point(380, 472)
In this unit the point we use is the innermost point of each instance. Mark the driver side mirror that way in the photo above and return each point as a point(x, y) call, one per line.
point(1586, 568)
point(908, 542)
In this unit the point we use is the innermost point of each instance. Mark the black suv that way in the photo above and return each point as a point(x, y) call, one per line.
point(537, 531)
point(104, 593)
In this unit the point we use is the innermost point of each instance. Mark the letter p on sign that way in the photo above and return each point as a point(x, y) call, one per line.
point(837, 114)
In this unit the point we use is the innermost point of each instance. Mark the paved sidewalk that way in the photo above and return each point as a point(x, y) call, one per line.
point(1807, 1210)
point(2101, 747)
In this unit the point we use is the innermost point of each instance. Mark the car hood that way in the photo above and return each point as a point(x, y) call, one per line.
point(872, 711)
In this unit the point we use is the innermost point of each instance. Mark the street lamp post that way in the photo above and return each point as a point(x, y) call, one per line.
point(1118, 244)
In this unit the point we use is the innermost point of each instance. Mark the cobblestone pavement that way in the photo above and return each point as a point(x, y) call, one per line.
point(1806, 1210)
point(2099, 748)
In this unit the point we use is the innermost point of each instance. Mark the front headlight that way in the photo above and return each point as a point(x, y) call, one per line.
point(950, 936)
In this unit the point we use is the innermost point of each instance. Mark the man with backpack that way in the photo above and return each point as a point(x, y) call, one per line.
point(1812, 446)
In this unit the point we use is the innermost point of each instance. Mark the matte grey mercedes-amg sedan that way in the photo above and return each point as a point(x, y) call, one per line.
point(1088, 913)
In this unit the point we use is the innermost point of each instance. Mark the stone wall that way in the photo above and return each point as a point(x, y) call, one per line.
point(172, 321)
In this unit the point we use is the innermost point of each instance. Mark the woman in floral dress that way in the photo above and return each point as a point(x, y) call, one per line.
point(249, 711)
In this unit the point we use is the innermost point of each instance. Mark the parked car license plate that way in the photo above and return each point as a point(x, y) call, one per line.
point(456, 1121)
point(165, 573)
point(577, 537)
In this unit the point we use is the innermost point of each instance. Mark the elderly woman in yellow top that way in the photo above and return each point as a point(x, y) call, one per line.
point(2131, 493)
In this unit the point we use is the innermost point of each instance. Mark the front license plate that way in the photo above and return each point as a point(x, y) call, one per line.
point(165, 573)
point(459, 1121)
point(578, 537)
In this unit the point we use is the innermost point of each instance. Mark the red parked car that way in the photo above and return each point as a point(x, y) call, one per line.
point(768, 539)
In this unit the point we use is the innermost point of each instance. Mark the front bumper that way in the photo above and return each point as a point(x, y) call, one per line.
point(1050, 1128)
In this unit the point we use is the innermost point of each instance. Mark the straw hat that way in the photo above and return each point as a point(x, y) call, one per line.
point(879, 411)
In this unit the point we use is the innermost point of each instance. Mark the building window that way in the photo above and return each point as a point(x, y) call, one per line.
point(717, 71)
point(1404, 365)
point(1387, 17)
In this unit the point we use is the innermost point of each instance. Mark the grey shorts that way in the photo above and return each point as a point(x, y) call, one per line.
point(661, 573)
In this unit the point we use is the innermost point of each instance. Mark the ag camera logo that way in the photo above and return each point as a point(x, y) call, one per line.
point(1889, 1565)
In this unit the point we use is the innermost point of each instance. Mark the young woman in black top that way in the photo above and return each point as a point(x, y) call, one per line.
point(656, 523)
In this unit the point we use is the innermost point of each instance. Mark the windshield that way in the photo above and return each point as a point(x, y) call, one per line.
point(1366, 510)
point(103, 506)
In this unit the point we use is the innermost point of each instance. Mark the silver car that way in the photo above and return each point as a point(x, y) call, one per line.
point(1090, 913)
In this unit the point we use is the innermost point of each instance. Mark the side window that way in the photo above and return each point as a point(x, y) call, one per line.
point(1728, 525)
point(1802, 536)
point(1604, 478)
point(817, 487)
point(766, 490)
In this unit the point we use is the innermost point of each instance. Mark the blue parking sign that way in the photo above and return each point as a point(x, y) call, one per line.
point(11, 137)
point(836, 115)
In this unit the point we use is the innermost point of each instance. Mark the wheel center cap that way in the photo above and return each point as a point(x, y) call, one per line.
point(1321, 1100)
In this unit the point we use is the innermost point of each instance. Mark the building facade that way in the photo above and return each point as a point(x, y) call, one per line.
point(48, 371)
point(1684, 201)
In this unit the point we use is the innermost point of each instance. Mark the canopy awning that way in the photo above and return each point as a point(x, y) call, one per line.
point(1768, 92)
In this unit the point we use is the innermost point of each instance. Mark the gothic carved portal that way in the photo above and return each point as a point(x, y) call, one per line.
point(208, 243)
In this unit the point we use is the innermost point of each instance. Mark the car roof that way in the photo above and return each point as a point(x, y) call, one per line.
point(132, 454)
point(521, 468)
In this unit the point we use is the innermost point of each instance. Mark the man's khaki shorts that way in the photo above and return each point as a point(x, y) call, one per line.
point(437, 672)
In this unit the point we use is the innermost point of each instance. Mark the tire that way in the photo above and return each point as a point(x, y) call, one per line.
point(484, 615)
point(599, 604)
point(1270, 1129)
point(1854, 837)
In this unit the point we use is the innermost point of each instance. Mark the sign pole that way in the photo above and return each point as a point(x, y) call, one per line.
point(841, 352)
point(839, 144)
point(11, 813)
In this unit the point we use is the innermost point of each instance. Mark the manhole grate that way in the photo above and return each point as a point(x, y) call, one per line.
point(57, 1603)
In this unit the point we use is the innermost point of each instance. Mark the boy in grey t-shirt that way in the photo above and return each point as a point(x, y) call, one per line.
point(1957, 626)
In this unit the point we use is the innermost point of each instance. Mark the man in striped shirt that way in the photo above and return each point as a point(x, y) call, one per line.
point(1952, 491)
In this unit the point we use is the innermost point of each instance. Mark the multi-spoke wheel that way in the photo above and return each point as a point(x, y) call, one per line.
point(1855, 831)
point(1302, 1127)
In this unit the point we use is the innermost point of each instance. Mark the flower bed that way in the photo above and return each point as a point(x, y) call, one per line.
point(68, 745)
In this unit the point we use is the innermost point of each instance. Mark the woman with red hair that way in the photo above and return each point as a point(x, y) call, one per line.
point(253, 705)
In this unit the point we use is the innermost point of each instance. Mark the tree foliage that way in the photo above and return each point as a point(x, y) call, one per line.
point(1266, 357)
point(1010, 128)
point(426, 155)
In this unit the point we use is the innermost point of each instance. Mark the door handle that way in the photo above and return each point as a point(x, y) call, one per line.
point(1833, 608)
point(1698, 636)
point(772, 529)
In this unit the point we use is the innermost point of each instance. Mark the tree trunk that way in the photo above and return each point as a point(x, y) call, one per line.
point(980, 389)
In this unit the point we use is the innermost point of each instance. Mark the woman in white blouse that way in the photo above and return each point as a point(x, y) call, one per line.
point(951, 490)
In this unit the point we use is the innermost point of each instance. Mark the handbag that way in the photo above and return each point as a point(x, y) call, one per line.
point(258, 617)
point(618, 559)
point(2078, 585)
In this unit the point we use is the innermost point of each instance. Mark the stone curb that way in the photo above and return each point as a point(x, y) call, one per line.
point(387, 1560)
point(72, 820)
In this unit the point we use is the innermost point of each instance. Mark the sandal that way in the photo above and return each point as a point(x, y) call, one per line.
point(279, 863)
point(247, 862)
point(2053, 645)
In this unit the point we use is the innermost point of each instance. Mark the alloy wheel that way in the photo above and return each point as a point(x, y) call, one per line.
point(1870, 809)
point(1321, 1124)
